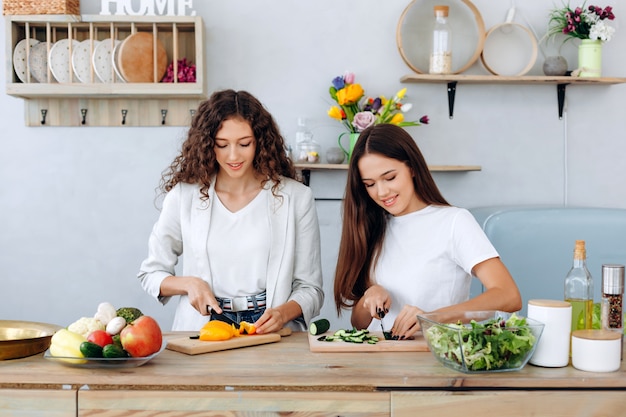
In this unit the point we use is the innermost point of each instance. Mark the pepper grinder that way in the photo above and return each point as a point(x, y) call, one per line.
point(612, 297)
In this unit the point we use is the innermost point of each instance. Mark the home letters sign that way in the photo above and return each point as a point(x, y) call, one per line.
point(147, 7)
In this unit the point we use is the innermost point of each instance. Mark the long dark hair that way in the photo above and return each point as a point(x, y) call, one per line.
point(364, 221)
point(196, 163)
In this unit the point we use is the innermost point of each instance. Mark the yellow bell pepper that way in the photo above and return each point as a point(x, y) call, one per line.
point(246, 328)
point(66, 344)
point(217, 330)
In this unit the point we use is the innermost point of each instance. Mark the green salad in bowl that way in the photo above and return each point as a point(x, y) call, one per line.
point(481, 341)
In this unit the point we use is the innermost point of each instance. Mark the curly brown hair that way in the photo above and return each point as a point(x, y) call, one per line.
point(196, 163)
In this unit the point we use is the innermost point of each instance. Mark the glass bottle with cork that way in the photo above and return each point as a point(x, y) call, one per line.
point(579, 289)
point(441, 46)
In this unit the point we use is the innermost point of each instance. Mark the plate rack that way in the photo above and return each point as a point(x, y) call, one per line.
point(112, 103)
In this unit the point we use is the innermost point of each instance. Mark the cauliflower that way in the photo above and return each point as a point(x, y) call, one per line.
point(85, 325)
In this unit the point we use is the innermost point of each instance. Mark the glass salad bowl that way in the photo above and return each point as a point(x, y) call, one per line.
point(481, 341)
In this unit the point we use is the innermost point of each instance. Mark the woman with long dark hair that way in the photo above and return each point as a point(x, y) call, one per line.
point(404, 249)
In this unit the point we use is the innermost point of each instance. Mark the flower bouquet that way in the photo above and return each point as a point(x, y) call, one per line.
point(589, 24)
point(356, 112)
point(582, 22)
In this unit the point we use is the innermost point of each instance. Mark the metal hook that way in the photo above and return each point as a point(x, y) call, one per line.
point(124, 113)
point(163, 114)
point(83, 112)
point(192, 112)
point(44, 112)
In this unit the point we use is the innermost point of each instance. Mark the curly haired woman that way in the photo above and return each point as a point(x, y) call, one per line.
point(246, 229)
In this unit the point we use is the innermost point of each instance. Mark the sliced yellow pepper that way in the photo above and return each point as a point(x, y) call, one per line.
point(246, 328)
point(218, 330)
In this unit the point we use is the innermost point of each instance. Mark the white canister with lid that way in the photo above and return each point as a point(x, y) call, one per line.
point(596, 350)
point(554, 344)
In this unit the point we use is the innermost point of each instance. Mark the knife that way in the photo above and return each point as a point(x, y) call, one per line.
point(224, 318)
point(381, 315)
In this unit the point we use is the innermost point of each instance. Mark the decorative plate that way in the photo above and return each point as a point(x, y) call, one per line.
point(60, 60)
point(103, 60)
point(413, 34)
point(136, 58)
point(19, 59)
point(38, 62)
point(116, 66)
point(81, 61)
point(109, 363)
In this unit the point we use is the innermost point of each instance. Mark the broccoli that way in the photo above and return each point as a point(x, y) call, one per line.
point(129, 313)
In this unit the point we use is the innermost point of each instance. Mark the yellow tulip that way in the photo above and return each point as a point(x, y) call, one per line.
point(400, 94)
point(397, 119)
point(335, 113)
point(350, 94)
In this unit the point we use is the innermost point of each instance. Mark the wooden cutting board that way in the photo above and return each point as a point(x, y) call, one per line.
point(136, 58)
point(418, 344)
point(197, 346)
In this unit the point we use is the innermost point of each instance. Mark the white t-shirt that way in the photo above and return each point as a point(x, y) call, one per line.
point(239, 246)
point(427, 257)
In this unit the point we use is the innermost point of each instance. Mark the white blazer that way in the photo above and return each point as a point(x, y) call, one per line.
point(294, 270)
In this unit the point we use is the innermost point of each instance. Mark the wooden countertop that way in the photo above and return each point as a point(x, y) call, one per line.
point(290, 366)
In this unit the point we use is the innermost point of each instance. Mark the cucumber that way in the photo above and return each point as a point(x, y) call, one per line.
point(113, 351)
point(319, 326)
point(91, 350)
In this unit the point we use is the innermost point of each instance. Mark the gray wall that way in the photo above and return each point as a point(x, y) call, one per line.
point(77, 204)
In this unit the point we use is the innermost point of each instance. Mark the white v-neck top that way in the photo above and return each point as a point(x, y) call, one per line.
point(239, 246)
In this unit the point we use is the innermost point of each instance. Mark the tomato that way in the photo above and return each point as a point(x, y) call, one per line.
point(100, 337)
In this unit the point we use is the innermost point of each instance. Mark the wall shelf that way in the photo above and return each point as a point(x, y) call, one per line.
point(95, 103)
point(307, 168)
point(560, 81)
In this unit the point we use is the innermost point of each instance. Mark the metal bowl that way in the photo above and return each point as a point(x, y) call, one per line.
point(19, 339)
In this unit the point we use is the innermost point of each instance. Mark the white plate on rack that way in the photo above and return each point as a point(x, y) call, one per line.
point(103, 60)
point(116, 66)
point(60, 58)
point(81, 61)
point(38, 62)
point(19, 59)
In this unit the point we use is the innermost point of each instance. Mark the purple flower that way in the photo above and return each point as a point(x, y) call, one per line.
point(377, 104)
point(338, 83)
point(363, 120)
point(424, 120)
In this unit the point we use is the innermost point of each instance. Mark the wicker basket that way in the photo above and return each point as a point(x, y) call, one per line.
point(25, 7)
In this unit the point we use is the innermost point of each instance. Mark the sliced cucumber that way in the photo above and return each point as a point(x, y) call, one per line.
point(319, 326)
point(351, 336)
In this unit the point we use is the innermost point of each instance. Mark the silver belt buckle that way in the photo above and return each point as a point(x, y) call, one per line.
point(239, 304)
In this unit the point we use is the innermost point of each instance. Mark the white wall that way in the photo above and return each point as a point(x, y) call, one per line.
point(77, 204)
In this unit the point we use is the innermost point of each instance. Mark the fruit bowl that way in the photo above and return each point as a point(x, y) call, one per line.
point(481, 341)
point(111, 363)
